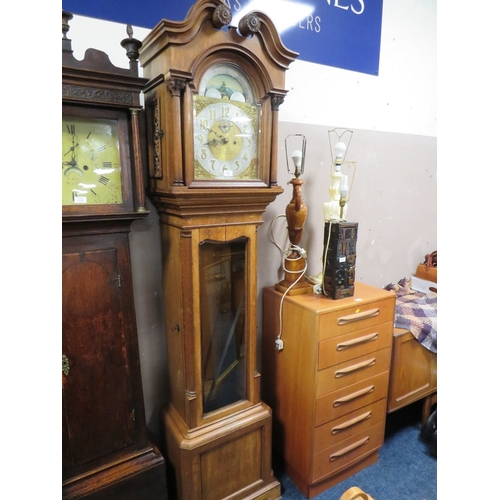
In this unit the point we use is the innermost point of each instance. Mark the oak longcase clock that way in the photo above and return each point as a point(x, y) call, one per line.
point(106, 453)
point(212, 115)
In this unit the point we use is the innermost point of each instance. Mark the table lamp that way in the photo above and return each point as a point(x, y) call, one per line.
point(294, 262)
point(336, 207)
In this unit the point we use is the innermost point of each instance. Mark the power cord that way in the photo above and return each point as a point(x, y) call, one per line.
point(325, 253)
point(303, 254)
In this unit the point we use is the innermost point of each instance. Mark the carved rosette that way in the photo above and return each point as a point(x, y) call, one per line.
point(222, 16)
point(249, 24)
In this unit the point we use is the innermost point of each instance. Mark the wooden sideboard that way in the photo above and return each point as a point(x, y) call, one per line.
point(328, 386)
point(413, 367)
point(413, 373)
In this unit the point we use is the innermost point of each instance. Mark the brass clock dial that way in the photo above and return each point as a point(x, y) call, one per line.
point(91, 173)
point(226, 126)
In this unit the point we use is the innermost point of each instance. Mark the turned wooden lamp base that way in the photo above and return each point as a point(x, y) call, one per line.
point(294, 264)
point(297, 289)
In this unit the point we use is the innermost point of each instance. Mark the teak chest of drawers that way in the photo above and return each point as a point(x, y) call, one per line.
point(328, 386)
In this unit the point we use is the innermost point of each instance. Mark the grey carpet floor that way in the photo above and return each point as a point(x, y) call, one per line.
point(405, 469)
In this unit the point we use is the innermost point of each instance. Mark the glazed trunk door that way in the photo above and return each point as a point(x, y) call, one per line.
point(98, 412)
point(223, 313)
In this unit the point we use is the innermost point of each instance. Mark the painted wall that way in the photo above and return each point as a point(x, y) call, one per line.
point(394, 196)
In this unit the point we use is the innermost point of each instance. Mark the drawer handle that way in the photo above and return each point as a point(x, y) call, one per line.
point(350, 423)
point(354, 395)
point(353, 368)
point(371, 313)
point(360, 340)
point(347, 449)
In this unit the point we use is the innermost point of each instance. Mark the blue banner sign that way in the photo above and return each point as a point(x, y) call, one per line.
point(340, 33)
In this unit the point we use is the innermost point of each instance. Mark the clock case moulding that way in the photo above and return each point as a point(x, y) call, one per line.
point(175, 56)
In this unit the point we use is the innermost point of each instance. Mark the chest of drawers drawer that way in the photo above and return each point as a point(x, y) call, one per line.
point(353, 318)
point(338, 403)
point(338, 349)
point(344, 453)
point(348, 425)
point(352, 371)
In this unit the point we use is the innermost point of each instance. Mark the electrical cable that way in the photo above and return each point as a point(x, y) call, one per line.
point(325, 252)
point(285, 258)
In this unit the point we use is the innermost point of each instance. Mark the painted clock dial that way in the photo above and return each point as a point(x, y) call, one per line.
point(91, 173)
point(226, 125)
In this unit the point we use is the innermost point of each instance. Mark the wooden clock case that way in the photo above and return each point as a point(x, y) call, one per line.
point(222, 452)
point(106, 453)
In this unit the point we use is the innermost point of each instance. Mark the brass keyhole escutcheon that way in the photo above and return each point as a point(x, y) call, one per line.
point(65, 365)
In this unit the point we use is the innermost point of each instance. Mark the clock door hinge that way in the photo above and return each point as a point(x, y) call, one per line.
point(118, 279)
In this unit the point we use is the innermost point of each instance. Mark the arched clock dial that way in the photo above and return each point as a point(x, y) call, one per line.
point(91, 171)
point(225, 139)
point(226, 125)
point(226, 81)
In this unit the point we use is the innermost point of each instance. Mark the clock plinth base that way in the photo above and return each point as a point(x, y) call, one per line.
point(229, 458)
point(141, 475)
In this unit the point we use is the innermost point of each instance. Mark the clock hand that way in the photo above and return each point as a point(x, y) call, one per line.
point(71, 149)
point(72, 165)
point(221, 137)
point(214, 142)
point(211, 142)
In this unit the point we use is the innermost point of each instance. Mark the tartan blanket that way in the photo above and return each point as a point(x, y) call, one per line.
point(416, 312)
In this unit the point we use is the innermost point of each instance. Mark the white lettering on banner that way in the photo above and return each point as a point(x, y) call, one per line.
point(362, 7)
point(311, 24)
point(346, 7)
point(236, 5)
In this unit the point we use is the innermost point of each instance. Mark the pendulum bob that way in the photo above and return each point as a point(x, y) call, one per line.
point(295, 263)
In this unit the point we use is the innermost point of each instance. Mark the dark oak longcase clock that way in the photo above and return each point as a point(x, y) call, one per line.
point(106, 453)
point(212, 104)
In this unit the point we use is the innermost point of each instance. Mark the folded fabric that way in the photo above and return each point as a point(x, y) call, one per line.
point(416, 312)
